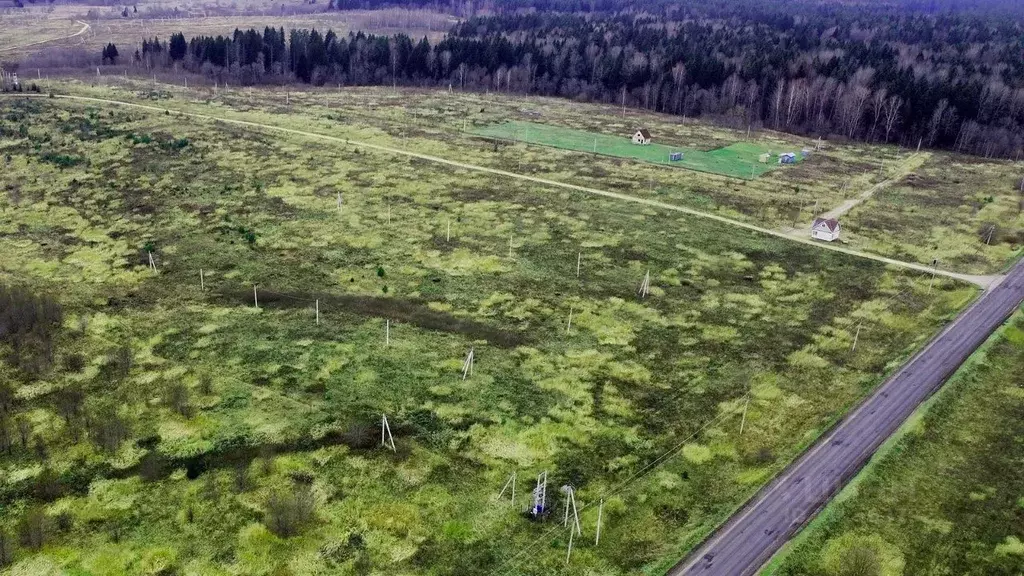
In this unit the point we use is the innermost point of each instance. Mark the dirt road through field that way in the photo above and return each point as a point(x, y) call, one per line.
point(83, 30)
point(905, 167)
point(982, 281)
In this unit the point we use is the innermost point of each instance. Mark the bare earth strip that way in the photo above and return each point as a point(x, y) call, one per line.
point(83, 30)
point(979, 280)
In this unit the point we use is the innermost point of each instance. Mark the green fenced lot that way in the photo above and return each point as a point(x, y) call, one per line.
point(739, 160)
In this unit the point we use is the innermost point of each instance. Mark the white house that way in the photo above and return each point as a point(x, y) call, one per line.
point(642, 137)
point(827, 230)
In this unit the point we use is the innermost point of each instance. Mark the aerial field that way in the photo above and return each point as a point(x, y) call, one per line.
point(219, 410)
point(738, 160)
point(31, 31)
point(441, 124)
point(946, 496)
point(966, 212)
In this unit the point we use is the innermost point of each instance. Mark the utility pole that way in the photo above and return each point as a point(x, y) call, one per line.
point(743, 419)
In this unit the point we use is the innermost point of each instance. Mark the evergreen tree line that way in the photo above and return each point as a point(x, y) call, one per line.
point(949, 80)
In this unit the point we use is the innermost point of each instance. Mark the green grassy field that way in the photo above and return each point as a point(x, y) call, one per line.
point(432, 122)
point(168, 427)
point(946, 497)
point(737, 160)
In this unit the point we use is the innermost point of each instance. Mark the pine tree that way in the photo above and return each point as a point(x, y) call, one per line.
point(178, 46)
point(110, 54)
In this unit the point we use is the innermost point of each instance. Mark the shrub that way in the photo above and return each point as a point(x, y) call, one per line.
point(206, 384)
point(121, 360)
point(860, 561)
point(32, 528)
point(289, 511)
point(74, 362)
point(6, 549)
point(28, 325)
point(62, 160)
point(107, 428)
point(176, 397)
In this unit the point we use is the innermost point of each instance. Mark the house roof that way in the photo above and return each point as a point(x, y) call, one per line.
point(832, 224)
point(643, 132)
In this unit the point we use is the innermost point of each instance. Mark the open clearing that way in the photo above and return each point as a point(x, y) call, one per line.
point(946, 496)
point(227, 406)
point(738, 160)
point(966, 212)
point(31, 30)
point(431, 123)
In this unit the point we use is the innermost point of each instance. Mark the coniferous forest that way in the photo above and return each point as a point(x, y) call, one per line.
point(909, 74)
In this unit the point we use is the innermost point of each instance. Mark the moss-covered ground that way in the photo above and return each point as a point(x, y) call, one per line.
point(169, 421)
point(942, 206)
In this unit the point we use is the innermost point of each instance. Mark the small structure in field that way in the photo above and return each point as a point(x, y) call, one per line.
point(764, 158)
point(825, 229)
point(787, 158)
point(675, 156)
point(805, 153)
point(642, 137)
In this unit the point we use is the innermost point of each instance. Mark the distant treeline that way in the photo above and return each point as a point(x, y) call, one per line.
point(950, 80)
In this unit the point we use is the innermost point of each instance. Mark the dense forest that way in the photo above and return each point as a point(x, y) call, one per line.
point(949, 79)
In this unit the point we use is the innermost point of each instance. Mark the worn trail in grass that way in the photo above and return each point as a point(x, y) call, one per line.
point(979, 280)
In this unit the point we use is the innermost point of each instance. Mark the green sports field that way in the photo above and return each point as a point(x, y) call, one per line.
point(739, 160)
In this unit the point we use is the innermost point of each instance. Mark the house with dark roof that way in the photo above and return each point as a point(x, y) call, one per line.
point(642, 137)
point(825, 229)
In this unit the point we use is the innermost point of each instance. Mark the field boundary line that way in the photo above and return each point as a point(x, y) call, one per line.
point(981, 281)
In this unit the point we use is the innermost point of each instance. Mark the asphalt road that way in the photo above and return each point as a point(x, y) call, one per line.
point(750, 538)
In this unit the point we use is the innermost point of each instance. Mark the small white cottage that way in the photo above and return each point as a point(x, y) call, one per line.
point(827, 230)
point(642, 137)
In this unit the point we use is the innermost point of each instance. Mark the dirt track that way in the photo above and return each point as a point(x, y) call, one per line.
point(83, 30)
point(978, 280)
